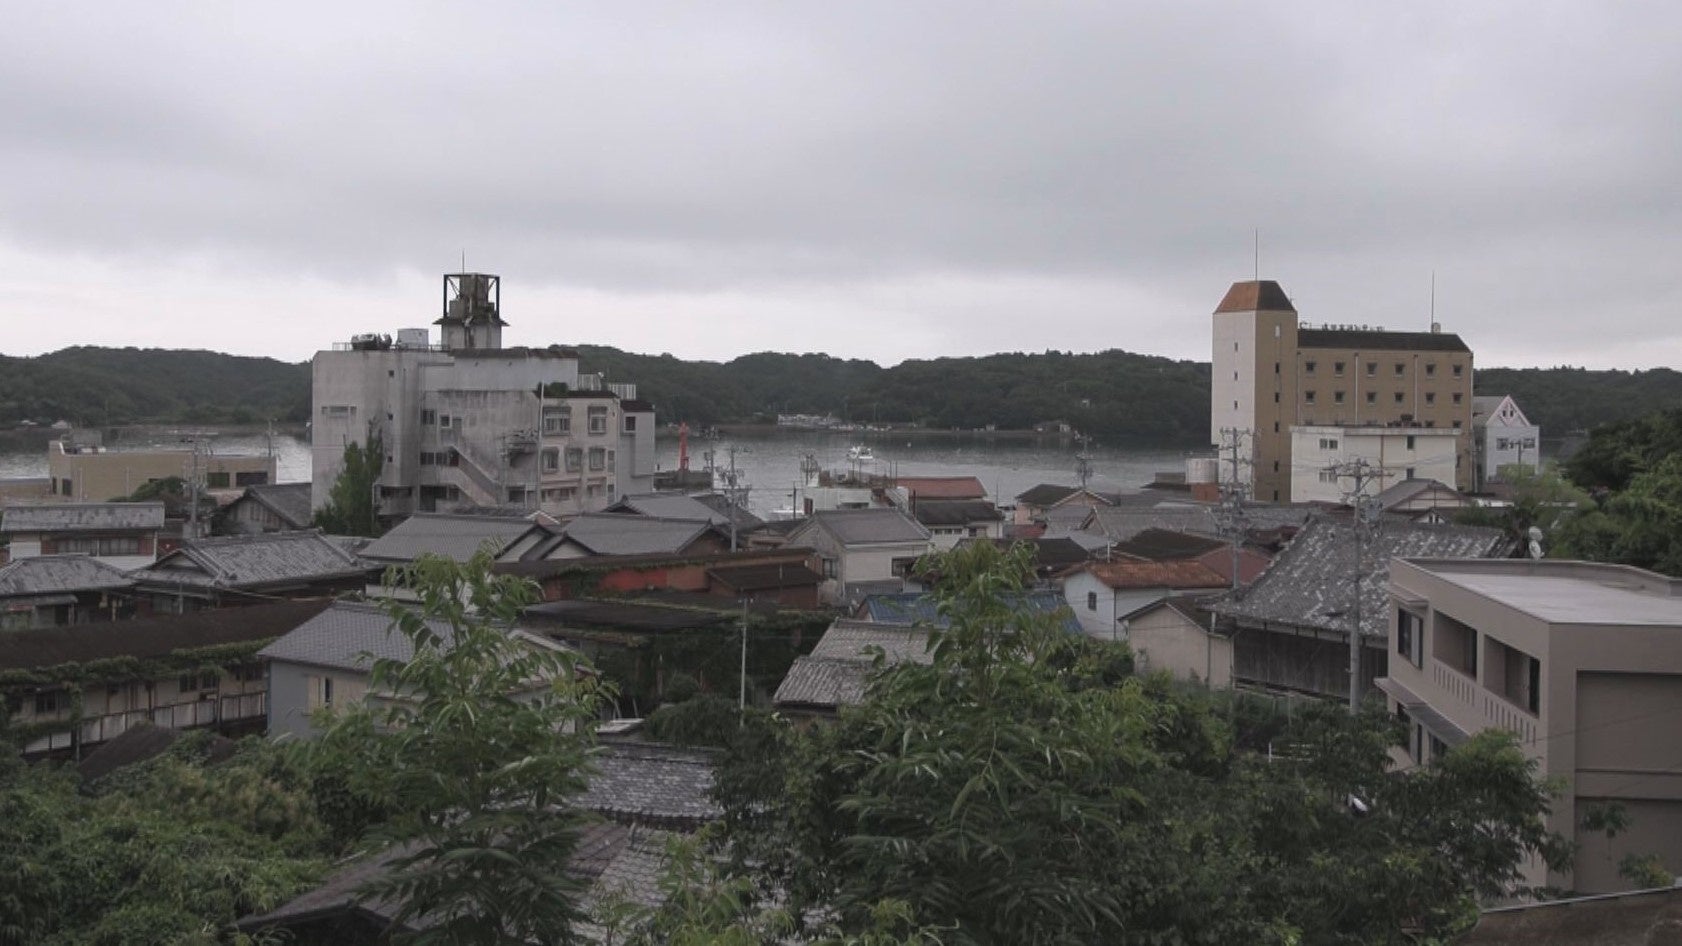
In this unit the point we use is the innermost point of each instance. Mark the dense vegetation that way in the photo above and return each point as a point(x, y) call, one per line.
point(1113, 396)
point(102, 387)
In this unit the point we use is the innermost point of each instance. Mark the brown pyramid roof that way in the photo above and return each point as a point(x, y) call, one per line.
point(1263, 295)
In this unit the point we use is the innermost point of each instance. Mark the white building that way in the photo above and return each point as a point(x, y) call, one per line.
point(470, 422)
point(1502, 436)
point(1395, 453)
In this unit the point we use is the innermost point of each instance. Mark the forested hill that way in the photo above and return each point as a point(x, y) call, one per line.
point(104, 386)
point(1114, 396)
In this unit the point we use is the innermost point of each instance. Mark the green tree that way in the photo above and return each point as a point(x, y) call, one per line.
point(1544, 500)
point(351, 507)
point(469, 749)
point(1023, 788)
point(1640, 525)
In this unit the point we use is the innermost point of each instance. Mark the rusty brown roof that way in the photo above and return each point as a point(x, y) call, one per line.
point(1181, 574)
point(1262, 295)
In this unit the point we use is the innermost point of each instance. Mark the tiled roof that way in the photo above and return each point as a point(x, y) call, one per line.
point(653, 784)
point(351, 635)
point(1309, 584)
point(1159, 545)
point(955, 512)
point(721, 504)
point(1371, 341)
point(153, 637)
point(453, 537)
point(1408, 489)
point(673, 506)
point(82, 517)
point(1045, 494)
point(620, 534)
point(289, 501)
point(59, 574)
point(942, 487)
point(1260, 295)
point(864, 526)
point(765, 577)
point(837, 671)
point(1049, 553)
point(1183, 575)
point(252, 561)
point(1121, 524)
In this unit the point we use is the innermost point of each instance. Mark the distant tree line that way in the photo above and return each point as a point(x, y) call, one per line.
point(1114, 396)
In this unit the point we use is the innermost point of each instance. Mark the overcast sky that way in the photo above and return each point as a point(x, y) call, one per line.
point(878, 180)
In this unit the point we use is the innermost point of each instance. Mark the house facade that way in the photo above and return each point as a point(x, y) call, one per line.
point(1502, 436)
point(472, 422)
point(1101, 594)
point(62, 590)
point(1271, 373)
point(122, 535)
point(1580, 661)
point(857, 548)
point(1395, 455)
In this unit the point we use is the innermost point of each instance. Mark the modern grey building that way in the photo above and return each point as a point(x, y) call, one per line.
point(468, 421)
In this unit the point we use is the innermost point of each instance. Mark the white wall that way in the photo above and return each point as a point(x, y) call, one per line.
point(1232, 388)
point(1165, 639)
point(1431, 455)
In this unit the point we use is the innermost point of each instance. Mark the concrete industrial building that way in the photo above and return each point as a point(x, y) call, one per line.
point(1580, 661)
point(1271, 373)
point(469, 422)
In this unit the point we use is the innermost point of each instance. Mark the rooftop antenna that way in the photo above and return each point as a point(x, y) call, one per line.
point(1258, 255)
point(464, 260)
point(1433, 299)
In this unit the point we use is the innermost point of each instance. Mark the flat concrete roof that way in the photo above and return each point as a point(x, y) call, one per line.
point(1568, 592)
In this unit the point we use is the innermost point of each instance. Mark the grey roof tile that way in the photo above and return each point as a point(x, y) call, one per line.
point(1309, 584)
point(82, 517)
point(649, 783)
point(621, 534)
point(289, 501)
point(59, 574)
point(955, 512)
point(351, 635)
point(864, 526)
point(248, 561)
point(836, 672)
point(453, 537)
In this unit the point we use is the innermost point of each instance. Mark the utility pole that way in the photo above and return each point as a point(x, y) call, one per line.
point(1083, 461)
point(742, 695)
point(1364, 513)
point(1234, 493)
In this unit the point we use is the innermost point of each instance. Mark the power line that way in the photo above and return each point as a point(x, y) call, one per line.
point(1366, 517)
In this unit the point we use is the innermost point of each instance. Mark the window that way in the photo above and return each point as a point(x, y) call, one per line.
point(443, 421)
point(552, 460)
point(598, 458)
point(1337, 369)
point(252, 478)
point(557, 419)
point(1456, 425)
point(1459, 370)
point(1410, 441)
point(1372, 369)
point(1328, 476)
point(1308, 397)
point(429, 417)
point(1328, 443)
point(51, 701)
point(1401, 368)
point(1309, 366)
point(1430, 397)
point(630, 423)
point(1092, 601)
point(188, 683)
point(108, 545)
point(321, 692)
point(1372, 397)
point(1457, 397)
point(1337, 396)
point(1430, 369)
point(575, 459)
point(1276, 397)
point(1276, 367)
point(217, 479)
point(1409, 474)
point(611, 459)
point(338, 410)
point(1398, 397)
point(248, 672)
point(829, 569)
point(598, 420)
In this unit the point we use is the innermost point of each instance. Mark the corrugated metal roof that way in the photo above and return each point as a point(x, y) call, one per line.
point(1310, 584)
point(248, 561)
point(59, 574)
point(83, 517)
point(453, 537)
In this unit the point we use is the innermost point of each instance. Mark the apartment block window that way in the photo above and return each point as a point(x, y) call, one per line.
point(557, 420)
point(1410, 441)
point(1337, 396)
point(575, 459)
point(1308, 397)
point(551, 460)
point(1456, 425)
point(1459, 370)
point(1276, 367)
point(1328, 476)
point(429, 417)
point(338, 410)
point(51, 701)
point(1092, 601)
point(218, 479)
point(1308, 366)
point(1430, 369)
point(1372, 397)
point(1457, 396)
point(598, 458)
point(1337, 369)
point(1276, 397)
point(598, 420)
point(107, 545)
point(1328, 443)
point(1398, 397)
point(1401, 368)
point(321, 692)
point(611, 460)
point(1430, 397)
point(1372, 369)
point(630, 423)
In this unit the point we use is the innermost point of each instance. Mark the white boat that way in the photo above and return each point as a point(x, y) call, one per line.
point(860, 453)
